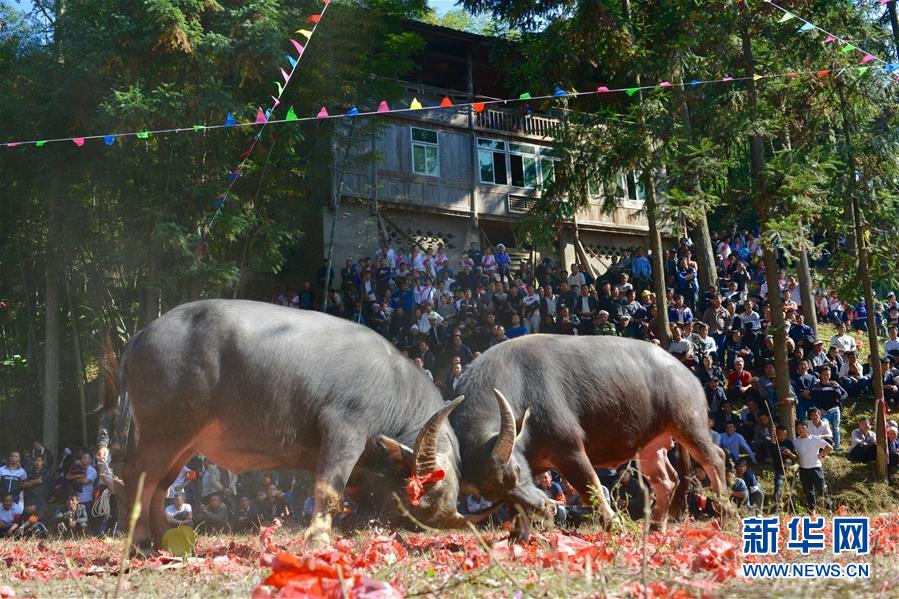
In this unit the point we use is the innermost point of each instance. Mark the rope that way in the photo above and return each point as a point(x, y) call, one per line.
point(101, 507)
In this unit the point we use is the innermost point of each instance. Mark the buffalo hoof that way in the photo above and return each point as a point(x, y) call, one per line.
point(521, 530)
point(316, 538)
point(143, 549)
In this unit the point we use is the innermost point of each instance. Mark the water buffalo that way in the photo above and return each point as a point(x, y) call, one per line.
point(257, 386)
point(587, 401)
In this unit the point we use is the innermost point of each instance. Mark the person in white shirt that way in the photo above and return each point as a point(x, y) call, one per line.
point(531, 303)
point(12, 476)
point(428, 319)
point(576, 277)
point(863, 443)
point(842, 341)
point(891, 344)
point(680, 346)
point(178, 486)
point(811, 450)
point(179, 513)
point(818, 427)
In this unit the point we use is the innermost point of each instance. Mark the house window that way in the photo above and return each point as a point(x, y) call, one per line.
point(492, 161)
point(523, 165)
point(627, 187)
point(547, 167)
point(425, 148)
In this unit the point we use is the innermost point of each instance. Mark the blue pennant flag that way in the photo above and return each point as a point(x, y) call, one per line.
point(890, 67)
point(109, 139)
point(806, 27)
point(268, 113)
point(229, 120)
point(233, 175)
point(218, 203)
point(352, 111)
point(292, 60)
point(559, 92)
point(695, 82)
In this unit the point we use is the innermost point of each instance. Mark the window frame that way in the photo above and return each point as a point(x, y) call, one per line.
point(425, 145)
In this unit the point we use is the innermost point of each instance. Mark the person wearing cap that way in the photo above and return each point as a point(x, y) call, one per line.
point(602, 326)
point(817, 356)
point(624, 326)
point(503, 261)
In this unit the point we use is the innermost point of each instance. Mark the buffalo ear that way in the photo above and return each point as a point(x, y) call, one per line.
point(401, 456)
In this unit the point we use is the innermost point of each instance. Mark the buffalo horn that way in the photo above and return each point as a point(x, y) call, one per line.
point(505, 442)
point(426, 443)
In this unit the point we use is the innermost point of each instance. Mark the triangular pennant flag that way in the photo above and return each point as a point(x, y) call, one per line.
point(695, 82)
point(882, 2)
point(246, 152)
point(756, 77)
point(602, 89)
point(383, 107)
point(326, 2)
point(297, 45)
point(525, 96)
point(79, 141)
point(13, 144)
point(806, 27)
point(863, 70)
point(305, 33)
point(229, 120)
point(559, 92)
point(415, 105)
point(631, 91)
point(352, 111)
point(280, 88)
point(291, 115)
point(322, 113)
point(143, 135)
point(786, 17)
point(109, 139)
point(822, 72)
point(314, 19)
point(446, 102)
point(791, 75)
point(39, 144)
point(890, 67)
point(234, 175)
point(260, 117)
point(866, 59)
point(286, 76)
point(728, 78)
point(268, 113)
point(665, 84)
point(291, 60)
point(847, 48)
point(830, 38)
point(199, 127)
point(478, 106)
point(276, 100)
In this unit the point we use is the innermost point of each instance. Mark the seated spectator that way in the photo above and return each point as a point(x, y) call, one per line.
point(179, 513)
point(554, 491)
point(714, 395)
point(214, 516)
point(863, 443)
point(699, 500)
point(31, 523)
point(735, 348)
point(707, 369)
point(738, 491)
point(893, 447)
point(37, 485)
point(10, 511)
point(851, 375)
point(272, 505)
point(810, 451)
point(739, 382)
point(755, 494)
point(81, 477)
point(71, 519)
point(734, 443)
point(516, 329)
point(629, 493)
point(843, 341)
point(681, 348)
point(891, 345)
point(246, 518)
point(577, 511)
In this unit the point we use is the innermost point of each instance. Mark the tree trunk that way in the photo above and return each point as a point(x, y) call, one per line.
point(806, 292)
point(762, 199)
point(663, 332)
point(51, 322)
point(79, 364)
point(861, 256)
point(894, 25)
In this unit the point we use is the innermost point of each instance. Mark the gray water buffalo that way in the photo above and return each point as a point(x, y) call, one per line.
point(257, 386)
point(587, 401)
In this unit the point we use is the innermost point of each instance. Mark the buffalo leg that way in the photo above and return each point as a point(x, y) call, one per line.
point(711, 458)
point(577, 469)
point(336, 460)
point(158, 524)
point(662, 477)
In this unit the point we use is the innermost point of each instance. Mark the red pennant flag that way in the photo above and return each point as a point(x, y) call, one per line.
point(478, 106)
point(298, 46)
point(446, 102)
point(791, 75)
point(314, 19)
point(823, 72)
point(246, 152)
point(79, 141)
point(326, 2)
point(260, 117)
point(323, 113)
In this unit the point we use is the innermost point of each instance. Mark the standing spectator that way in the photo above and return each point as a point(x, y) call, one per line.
point(11, 478)
point(37, 449)
point(828, 396)
point(37, 484)
point(81, 476)
point(811, 450)
point(781, 463)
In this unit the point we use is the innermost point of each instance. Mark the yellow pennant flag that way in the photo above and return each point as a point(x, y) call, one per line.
point(415, 105)
point(305, 32)
point(756, 77)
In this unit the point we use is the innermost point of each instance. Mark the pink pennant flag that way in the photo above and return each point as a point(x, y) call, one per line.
point(13, 144)
point(830, 38)
point(602, 89)
point(323, 113)
point(882, 2)
point(260, 117)
point(665, 84)
point(867, 58)
point(277, 101)
point(326, 2)
point(383, 107)
point(286, 76)
point(297, 45)
point(728, 79)
point(79, 141)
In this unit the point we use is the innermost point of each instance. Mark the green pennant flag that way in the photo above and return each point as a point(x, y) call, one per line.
point(525, 96)
point(863, 70)
point(199, 127)
point(847, 48)
point(280, 88)
point(632, 91)
point(143, 135)
point(786, 17)
point(291, 115)
point(40, 144)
